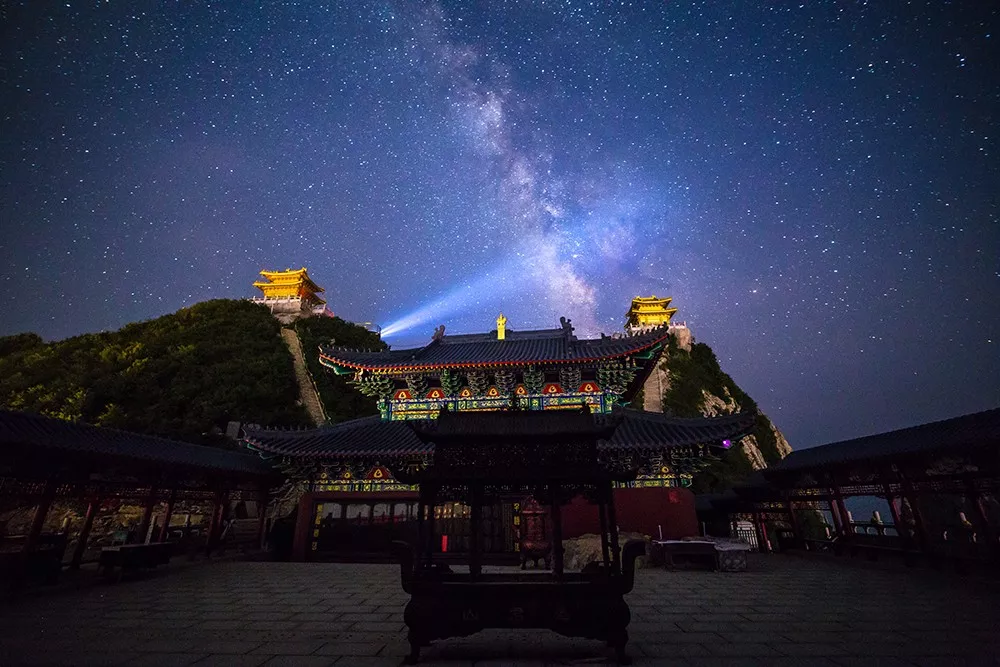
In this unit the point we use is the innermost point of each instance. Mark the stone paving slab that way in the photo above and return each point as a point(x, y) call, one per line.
point(783, 611)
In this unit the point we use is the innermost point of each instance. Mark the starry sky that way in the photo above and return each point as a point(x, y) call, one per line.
point(815, 185)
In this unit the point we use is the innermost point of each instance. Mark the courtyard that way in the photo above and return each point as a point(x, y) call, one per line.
point(784, 610)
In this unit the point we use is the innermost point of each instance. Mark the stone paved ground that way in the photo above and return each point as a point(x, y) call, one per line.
point(785, 611)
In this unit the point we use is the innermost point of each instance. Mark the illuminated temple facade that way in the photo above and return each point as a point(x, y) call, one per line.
point(351, 496)
point(290, 295)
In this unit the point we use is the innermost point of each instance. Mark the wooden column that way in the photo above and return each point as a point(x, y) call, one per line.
point(602, 515)
point(975, 498)
point(421, 528)
point(475, 543)
point(758, 524)
point(430, 503)
point(165, 528)
point(218, 514)
point(303, 528)
point(557, 545)
point(836, 518)
point(919, 528)
point(794, 521)
point(613, 532)
point(845, 519)
point(93, 507)
point(147, 515)
point(41, 511)
point(261, 521)
point(902, 531)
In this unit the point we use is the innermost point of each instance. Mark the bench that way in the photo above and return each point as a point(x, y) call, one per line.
point(675, 553)
point(131, 557)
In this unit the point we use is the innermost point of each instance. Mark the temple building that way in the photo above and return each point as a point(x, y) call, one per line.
point(290, 295)
point(350, 495)
point(648, 312)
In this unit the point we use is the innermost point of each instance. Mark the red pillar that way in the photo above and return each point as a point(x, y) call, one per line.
point(261, 519)
point(758, 524)
point(303, 528)
point(38, 521)
point(218, 513)
point(837, 525)
point(147, 515)
point(897, 522)
point(557, 545)
point(794, 520)
point(165, 528)
point(93, 507)
point(845, 519)
point(919, 527)
point(976, 499)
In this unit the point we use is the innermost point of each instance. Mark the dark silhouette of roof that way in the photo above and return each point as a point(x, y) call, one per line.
point(19, 430)
point(981, 429)
point(519, 348)
point(370, 437)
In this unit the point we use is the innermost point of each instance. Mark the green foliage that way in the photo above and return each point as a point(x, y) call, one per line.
point(341, 398)
point(19, 342)
point(731, 467)
point(767, 443)
point(693, 373)
point(180, 375)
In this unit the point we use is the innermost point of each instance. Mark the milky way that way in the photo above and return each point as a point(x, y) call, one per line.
point(815, 186)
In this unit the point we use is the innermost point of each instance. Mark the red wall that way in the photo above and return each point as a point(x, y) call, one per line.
point(638, 511)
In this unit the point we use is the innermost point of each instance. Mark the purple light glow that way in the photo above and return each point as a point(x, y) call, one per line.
point(727, 443)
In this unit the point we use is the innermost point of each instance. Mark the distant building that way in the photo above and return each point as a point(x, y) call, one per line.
point(291, 295)
point(353, 500)
point(648, 312)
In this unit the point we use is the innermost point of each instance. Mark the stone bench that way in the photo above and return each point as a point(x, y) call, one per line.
point(132, 557)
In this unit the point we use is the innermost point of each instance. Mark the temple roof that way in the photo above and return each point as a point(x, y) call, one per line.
point(519, 348)
point(20, 430)
point(281, 280)
point(371, 438)
point(981, 429)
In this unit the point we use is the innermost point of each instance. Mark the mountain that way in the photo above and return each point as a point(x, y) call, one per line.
point(182, 376)
point(688, 382)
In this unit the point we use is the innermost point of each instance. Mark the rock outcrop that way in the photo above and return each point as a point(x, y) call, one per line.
point(688, 382)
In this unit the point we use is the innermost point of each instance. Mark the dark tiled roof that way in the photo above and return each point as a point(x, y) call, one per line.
point(22, 429)
point(975, 430)
point(368, 437)
point(639, 429)
point(547, 345)
point(514, 424)
point(372, 438)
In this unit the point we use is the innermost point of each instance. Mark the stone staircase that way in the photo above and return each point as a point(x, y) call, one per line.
point(307, 388)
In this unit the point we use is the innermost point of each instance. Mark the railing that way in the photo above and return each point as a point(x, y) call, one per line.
point(747, 535)
point(872, 528)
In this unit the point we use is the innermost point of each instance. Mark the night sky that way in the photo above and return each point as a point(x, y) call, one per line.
point(816, 186)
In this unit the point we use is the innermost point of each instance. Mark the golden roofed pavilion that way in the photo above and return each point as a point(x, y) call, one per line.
point(649, 311)
point(290, 294)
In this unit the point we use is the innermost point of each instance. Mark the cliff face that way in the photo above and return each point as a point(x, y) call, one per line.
point(688, 382)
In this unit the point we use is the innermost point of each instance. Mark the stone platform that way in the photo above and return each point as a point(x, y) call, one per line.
point(784, 610)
